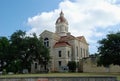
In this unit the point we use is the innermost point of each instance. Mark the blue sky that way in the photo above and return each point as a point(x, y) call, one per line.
point(90, 18)
point(14, 13)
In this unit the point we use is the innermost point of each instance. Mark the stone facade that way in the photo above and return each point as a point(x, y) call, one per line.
point(90, 65)
point(63, 46)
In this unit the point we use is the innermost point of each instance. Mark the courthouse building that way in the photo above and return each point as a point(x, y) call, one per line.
point(63, 46)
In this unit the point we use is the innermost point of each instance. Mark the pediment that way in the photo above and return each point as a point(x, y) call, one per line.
point(82, 39)
point(46, 32)
point(49, 34)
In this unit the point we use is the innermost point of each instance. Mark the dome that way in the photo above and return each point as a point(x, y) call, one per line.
point(61, 19)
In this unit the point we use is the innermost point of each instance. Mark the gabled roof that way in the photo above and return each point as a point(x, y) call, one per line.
point(67, 38)
point(49, 34)
point(46, 31)
point(82, 39)
point(61, 44)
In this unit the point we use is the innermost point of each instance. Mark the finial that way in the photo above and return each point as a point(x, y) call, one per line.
point(61, 13)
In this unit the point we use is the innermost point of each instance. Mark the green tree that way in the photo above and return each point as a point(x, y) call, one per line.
point(72, 66)
point(24, 50)
point(16, 51)
point(37, 51)
point(4, 51)
point(109, 50)
point(21, 50)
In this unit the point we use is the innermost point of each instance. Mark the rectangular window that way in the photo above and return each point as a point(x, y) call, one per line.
point(59, 53)
point(47, 43)
point(81, 52)
point(60, 63)
point(35, 65)
point(68, 53)
point(84, 52)
point(77, 51)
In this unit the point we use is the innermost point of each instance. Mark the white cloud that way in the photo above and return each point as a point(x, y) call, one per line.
point(85, 17)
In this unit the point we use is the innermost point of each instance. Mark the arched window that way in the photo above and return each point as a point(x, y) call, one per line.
point(46, 42)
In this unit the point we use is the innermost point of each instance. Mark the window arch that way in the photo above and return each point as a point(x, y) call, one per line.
point(46, 42)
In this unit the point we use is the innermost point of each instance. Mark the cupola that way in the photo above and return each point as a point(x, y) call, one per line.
point(61, 25)
point(61, 19)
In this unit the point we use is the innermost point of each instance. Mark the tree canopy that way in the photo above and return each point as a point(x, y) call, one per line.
point(21, 50)
point(4, 50)
point(109, 50)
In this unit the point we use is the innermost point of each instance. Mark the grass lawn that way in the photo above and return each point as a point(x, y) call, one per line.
point(62, 75)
